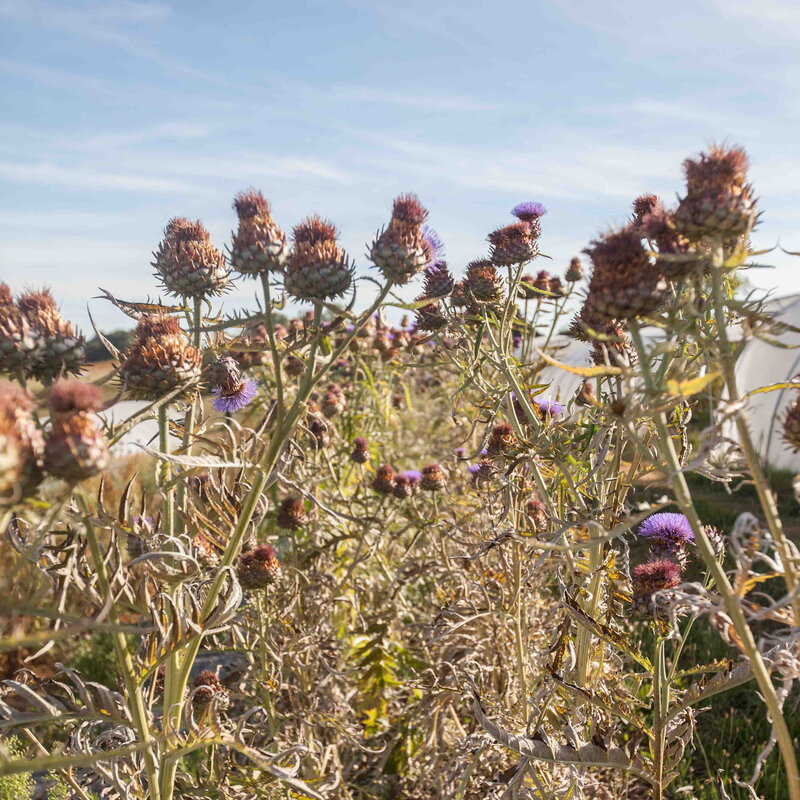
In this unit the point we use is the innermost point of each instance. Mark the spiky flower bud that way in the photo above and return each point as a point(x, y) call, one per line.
point(209, 689)
point(159, 359)
point(402, 249)
point(318, 269)
point(574, 272)
point(430, 316)
point(438, 281)
point(384, 480)
point(231, 391)
point(63, 350)
point(21, 446)
point(514, 244)
point(624, 282)
point(646, 204)
point(204, 551)
point(434, 478)
point(20, 343)
point(318, 429)
point(360, 454)
point(501, 439)
point(406, 483)
point(482, 283)
point(292, 514)
point(719, 202)
point(187, 263)
point(791, 424)
point(647, 579)
point(259, 245)
point(676, 257)
point(76, 448)
point(259, 568)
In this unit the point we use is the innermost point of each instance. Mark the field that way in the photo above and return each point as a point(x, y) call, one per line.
point(370, 558)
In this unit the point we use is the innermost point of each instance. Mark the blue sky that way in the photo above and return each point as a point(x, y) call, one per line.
point(119, 114)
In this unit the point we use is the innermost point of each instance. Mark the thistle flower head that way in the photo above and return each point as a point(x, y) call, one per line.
point(528, 211)
point(433, 478)
point(667, 528)
point(236, 400)
point(250, 203)
point(180, 229)
point(721, 169)
point(408, 208)
point(314, 230)
point(655, 576)
point(646, 204)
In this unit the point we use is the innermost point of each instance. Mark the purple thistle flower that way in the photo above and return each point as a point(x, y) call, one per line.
point(668, 529)
point(550, 408)
point(460, 452)
point(433, 244)
point(228, 402)
point(528, 211)
point(474, 469)
point(412, 475)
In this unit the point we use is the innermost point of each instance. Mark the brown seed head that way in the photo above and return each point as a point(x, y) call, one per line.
point(250, 203)
point(314, 230)
point(408, 208)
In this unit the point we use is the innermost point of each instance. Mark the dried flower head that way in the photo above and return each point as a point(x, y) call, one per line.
point(209, 689)
point(408, 208)
point(434, 478)
point(655, 576)
point(259, 245)
point(318, 269)
point(406, 483)
point(384, 480)
point(259, 568)
point(574, 272)
point(360, 454)
point(646, 204)
point(20, 343)
point(292, 514)
point(515, 243)
point(21, 446)
point(403, 248)
point(187, 263)
point(624, 282)
point(71, 395)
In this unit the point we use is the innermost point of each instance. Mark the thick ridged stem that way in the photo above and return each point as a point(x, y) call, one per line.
point(264, 478)
point(660, 716)
point(168, 515)
point(132, 689)
point(194, 400)
point(276, 358)
point(706, 550)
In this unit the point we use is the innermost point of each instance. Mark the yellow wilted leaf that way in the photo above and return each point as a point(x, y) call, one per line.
point(693, 386)
point(586, 372)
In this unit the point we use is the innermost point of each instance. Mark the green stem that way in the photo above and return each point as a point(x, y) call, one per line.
point(168, 516)
point(660, 708)
point(276, 358)
point(706, 550)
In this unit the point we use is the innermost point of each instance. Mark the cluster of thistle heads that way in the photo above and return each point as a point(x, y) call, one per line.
point(669, 536)
point(73, 449)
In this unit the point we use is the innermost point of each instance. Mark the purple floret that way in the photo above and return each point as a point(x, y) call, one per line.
point(412, 475)
point(550, 408)
point(434, 244)
point(528, 211)
point(667, 528)
point(474, 469)
point(235, 401)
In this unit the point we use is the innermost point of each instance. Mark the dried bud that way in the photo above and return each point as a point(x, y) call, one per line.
point(624, 283)
point(187, 263)
point(259, 568)
point(791, 424)
point(406, 483)
point(645, 204)
point(292, 514)
point(259, 245)
point(403, 249)
point(360, 454)
point(536, 512)
point(433, 478)
point(21, 446)
point(574, 272)
point(514, 244)
point(482, 283)
point(209, 689)
point(318, 268)
point(384, 480)
point(652, 577)
point(501, 439)
point(159, 359)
